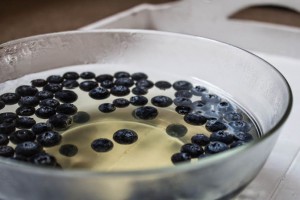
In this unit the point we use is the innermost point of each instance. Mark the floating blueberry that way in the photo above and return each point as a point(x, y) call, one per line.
point(139, 91)
point(3, 139)
point(121, 103)
point(200, 106)
point(212, 114)
point(68, 150)
point(70, 84)
point(182, 85)
point(53, 87)
point(139, 76)
point(60, 121)
point(161, 101)
point(221, 136)
point(28, 148)
point(87, 75)
point(127, 82)
point(213, 125)
point(26, 90)
point(107, 84)
point(195, 119)
point(119, 90)
point(242, 136)
point(88, 85)
point(200, 139)
point(121, 74)
point(42, 95)
point(224, 106)
point(107, 107)
point(71, 76)
point(25, 111)
point(38, 83)
point(138, 100)
point(183, 93)
point(42, 127)
point(233, 116)
point(144, 83)
point(145, 113)
point(176, 130)
point(31, 101)
point(66, 96)
point(237, 144)
point(180, 157)
point(49, 138)
point(53, 103)
point(10, 98)
point(99, 93)
point(102, 145)
point(194, 150)
point(210, 98)
point(21, 136)
point(125, 136)
point(81, 117)
point(216, 147)
point(163, 85)
point(240, 126)
point(2, 104)
point(183, 110)
point(198, 90)
point(104, 77)
point(6, 151)
point(44, 112)
point(43, 159)
point(25, 122)
point(182, 101)
point(67, 109)
point(55, 79)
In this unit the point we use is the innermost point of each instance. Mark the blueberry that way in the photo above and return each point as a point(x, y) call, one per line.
point(240, 126)
point(55, 79)
point(25, 111)
point(119, 90)
point(39, 82)
point(2, 104)
point(88, 85)
point(125, 136)
point(53, 87)
point(195, 119)
point(183, 93)
point(104, 77)
point(212, 114)
point(107, 84)
point(199, 106)
point(31, 101)
point(183, 110)
point(43, 159)
point(10, 98)
point(138, 100)
point(224, 106)
point(60, 121)
point(144, 83)
point(66, 96)
point(40, 128)
point(53, 103)
point(26, 90)
point(121, 103)
point(139, 90)
point(25, 122)
point(87, 75)
point(242, 136)
point(182, 101)
point(215, 125)
point(70, 84)
point(107, 107)
point(99, 93)
point(6, 151)
point(180, 157)
point(221, 136)
point(8, 117)
point(81, 117)
point(194, 150)
point(216, 147)
point(127, 82)
point(21, 136)
point(3, 139)
point(139, 76)
point(210, 98)
point(233, 116)
point(68, 150)
point(28, 148)
point(237, 144)
point(161, 101)
point(44, 112)
point(49, 138)
point(67, 109)
point(44, 95)
point(163, 85)
point(102, 145)
point(200, 139)
point(71, 76)
point(176, 130)
point(121, 74)
point(7, 126)
point(182, 85)
point(198, 90)
point(145, 113)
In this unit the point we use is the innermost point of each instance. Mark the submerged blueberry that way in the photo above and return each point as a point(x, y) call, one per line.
point(26, 90)
point(87, 75)
point(194, 150)
point(99, 93)
point(195, 119)
point(125, 136)
point(81, 117)
point(44, 112)
point(102, 145)
point(224, 106)
point(138, 100)
point(60, 121)
point(183, 110)
point(215, 125)
point(121, 74)
point(66, 96)
point(163, 85)
point(39, 82)
point(53, 103)
point(8, 117)
point(68, 150)
point(71, 76)
point(49, 138)
point(183, 93)
point(42, 127)
point(119, 90)
point(182, 101)
point(31, 101)
point(6, 151)
point(198, 90)
point(25, 122)
point(176, 130)
point(144, 83)
point(67, 109)
point(43, 159)
point(139, 76)
point(28, 148)
point(121, 103)
point(42, 95)
point(53, 87)
point(233, 116)
point(10, 98)
point(240, 126)
point(242, 136)
point(180, 157)
point(161, 101)
point(200, 106)
point(3, 139)
point(88, 85)
point(210, 98)
point(55, 79)
point(104, 77)
point(200, 139)
point(182, 85)
point(139, 91)
point(107, 107)
point(70, 84)
point(221, 136)
point(145, 113)
point(216, 147)
point(128, 82)
point(21, 136)
point(107, 84)
point(7, 126)
point(25, 111)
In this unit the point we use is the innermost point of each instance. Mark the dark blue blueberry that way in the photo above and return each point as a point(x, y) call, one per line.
point(10, 98)
point(199, 106)
point(88, 85)
point(21, 136)
point(44, 95)
point(68, 150)
point(139, 76)
point(215, 125)
point(237, 144)
point(55, 79)
point(163, 85)
point(104, 77)
point(26, 90)
point(2, 104)
point(216, 147)
point(200, 139)
point(31, 101)
point(240, 126)
point(182, 85)
point(125, 136)
point(212, 114)
point(144, 83)
point(67, 109)
point(44, 112)
point(121, 74)
point(121, 103)
point(195, 119)
point(183, 110)
point(224, 106)
point(139, 90)
point(242, 136)
point(25, 122)
point(81, 117)
point(107, 84)
point(198, 90)
point(138, 100)
point(70, 84)
point(221, 136)
point(3, 139)
point(176, 130)
point(40, 128)
point(25, 111)
point(60, 122)
point(102, 145)
point(28, 148)
point(39, 82)
point(233, 116)
point(145, 113)
point(107, 107)
point(50, 102)
point(49, 138)
point(99, 93)
point(183, 93)
point(182, 101)
point(180, 157)
point(53, 87)
point(128, 82)
point(119, 90)
point(43, 159)
point(7, 127)
point(66, 96)
point(194, 150)
point(6, 151)
point(210, 98)
point(8, 117)
point(71, 76)
point(87, 75)
point(161, 101)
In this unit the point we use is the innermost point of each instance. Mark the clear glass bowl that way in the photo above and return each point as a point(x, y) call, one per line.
point(252, 82)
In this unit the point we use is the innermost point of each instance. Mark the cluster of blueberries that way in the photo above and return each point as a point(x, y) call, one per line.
point(55, 104)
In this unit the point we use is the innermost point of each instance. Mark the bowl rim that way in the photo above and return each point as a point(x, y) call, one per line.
point(162, 170)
